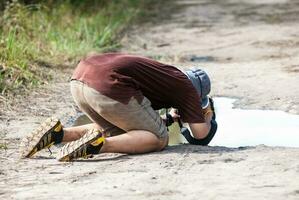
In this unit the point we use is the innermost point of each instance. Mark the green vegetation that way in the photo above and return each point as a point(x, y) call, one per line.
point(3, 146)
point(35, 34)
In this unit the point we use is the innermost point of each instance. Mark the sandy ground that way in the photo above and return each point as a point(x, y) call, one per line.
point(250, 49)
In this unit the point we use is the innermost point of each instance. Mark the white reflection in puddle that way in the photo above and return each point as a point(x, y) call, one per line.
point(238, 127)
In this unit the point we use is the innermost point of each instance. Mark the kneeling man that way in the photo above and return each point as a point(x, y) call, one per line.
point(120, 93)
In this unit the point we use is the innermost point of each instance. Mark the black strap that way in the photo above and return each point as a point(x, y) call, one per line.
point(205, 141)
point(180, 123)
point(169, 120)
point(212, 108)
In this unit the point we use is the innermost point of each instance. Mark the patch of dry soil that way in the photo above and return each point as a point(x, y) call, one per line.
point(250, 48)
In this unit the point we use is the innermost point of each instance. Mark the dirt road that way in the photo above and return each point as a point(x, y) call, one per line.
point(251, 51)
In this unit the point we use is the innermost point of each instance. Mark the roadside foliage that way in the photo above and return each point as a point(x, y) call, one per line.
point(37, 35)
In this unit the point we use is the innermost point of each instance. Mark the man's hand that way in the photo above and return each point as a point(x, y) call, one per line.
point(170, 117)
point(174, 114)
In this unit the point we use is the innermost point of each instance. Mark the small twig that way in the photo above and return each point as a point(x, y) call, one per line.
point(50, 151)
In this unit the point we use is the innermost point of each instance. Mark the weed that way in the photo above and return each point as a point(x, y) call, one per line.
point(56, 33)
point(3, 146)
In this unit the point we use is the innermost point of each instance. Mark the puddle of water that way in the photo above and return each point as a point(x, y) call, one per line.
point(175, 136)
point(238, 127)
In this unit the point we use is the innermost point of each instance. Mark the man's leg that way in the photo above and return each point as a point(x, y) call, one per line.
point(133, 142)
point(93, 142)
point(75, 133)
point(130, 142)
point(145, 132)
point(143, 129)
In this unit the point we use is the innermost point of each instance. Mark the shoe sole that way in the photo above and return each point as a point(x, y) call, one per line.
point(70, 150)
point(29, 144)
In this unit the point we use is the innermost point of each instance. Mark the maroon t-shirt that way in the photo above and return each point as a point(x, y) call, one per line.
point(122, 76)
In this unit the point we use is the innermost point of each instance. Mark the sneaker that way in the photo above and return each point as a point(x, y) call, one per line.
point(88, 145)
point(41, 138)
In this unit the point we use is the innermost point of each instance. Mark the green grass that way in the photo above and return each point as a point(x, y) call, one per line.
point(58, 32)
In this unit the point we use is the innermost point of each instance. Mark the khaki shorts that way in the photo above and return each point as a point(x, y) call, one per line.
point(114, 117)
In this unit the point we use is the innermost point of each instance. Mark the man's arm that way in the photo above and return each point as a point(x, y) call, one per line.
point(201, 130)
